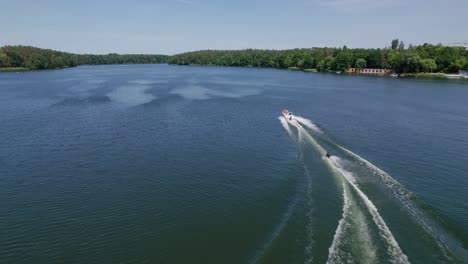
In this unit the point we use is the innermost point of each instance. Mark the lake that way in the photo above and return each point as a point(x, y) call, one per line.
point(193, 164)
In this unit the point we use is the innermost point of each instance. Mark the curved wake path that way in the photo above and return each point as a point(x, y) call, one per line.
point(392, 245)
point(333, 256)
point(446, 242)
point(442, 239)
point(259, 254)
point(276, 232)
point(393, 249)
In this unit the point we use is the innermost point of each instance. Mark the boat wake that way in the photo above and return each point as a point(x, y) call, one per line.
point(391, 244)
point(444, 240)
point(308, 123)
point(362, 234)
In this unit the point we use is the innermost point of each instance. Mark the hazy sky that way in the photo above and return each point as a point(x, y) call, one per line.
point(173, 26)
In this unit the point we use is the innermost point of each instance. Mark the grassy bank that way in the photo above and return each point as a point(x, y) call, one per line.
point(433, 76)
point(14, 69)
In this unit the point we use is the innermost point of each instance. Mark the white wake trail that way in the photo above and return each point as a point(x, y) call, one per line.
point(333, 256)
point(285, 125)
point(393, 247)
point(308, 249)
point(276, 232)
point(444, 240)
point(308, 123)
point(352, 234)
point(404, 196)
point(302, 131)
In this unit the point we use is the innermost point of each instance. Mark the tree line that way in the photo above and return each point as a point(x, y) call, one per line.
point(37, 58)
point(401, 59)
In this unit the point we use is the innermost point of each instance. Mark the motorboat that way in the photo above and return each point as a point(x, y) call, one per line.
point(288, 115)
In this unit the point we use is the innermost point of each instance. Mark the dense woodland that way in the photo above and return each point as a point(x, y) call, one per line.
point(411, 59)
point(36, 58)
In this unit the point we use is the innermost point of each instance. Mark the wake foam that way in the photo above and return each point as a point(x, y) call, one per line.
point(302, 131)
point(285, 125)
point(333, 252)
point(404, 197)
point(444, 240)
point(308, 123)
point(394, 250)
point(392, 245)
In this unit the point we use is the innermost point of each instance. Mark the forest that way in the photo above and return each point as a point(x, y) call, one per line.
point(401, 59)
point(426, 58)
point(37, 58)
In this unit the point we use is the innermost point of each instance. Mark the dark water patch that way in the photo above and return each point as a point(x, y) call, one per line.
point(96, 99)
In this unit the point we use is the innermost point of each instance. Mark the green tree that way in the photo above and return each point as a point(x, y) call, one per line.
point(465, 67)
point(15, 59)
point(360, 63)
point(308, 61)
point(321, 66)
point(4, 60)
point(401, 46)
point(343, 60)
point(428, 65)
point(300, 63)
point(394, 45)
point(460, 63)
point(395, 60)
point(288, 61)
point(329, 63)
point(411, 62)
point(373, 58)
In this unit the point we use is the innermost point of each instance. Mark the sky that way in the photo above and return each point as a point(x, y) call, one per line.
point(175, 26)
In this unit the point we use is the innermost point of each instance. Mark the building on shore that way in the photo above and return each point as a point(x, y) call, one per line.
point(369, 71)
point(463, 74)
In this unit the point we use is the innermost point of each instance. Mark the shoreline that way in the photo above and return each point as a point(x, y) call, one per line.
point(409, 75)
point(15, 69)
point(420, 75)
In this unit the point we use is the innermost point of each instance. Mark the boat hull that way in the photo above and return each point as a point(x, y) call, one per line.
point(288, 116)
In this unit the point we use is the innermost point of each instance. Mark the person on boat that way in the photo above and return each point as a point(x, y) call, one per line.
point(327, 155)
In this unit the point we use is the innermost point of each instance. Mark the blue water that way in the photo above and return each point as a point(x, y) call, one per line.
point(178, 164)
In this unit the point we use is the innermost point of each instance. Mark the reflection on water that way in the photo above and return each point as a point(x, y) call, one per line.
point(147, 82)
point(131, 95)
point(197, 92)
